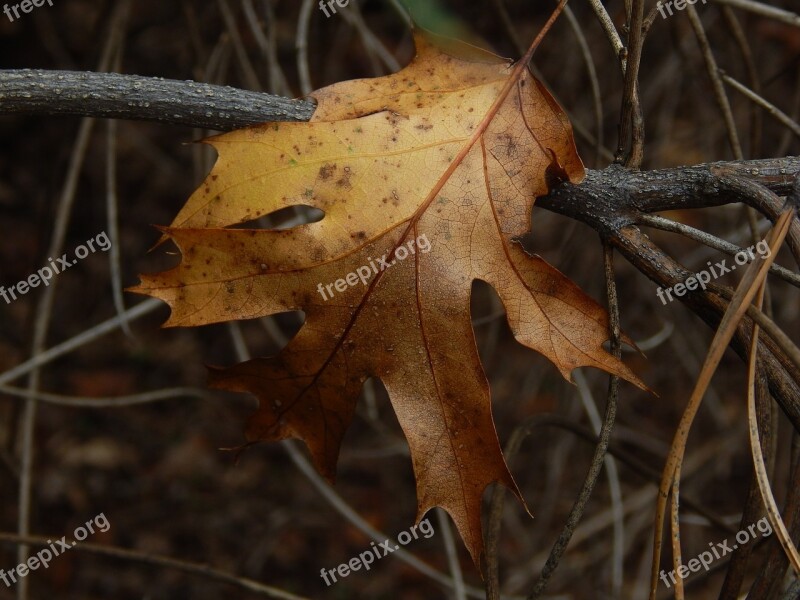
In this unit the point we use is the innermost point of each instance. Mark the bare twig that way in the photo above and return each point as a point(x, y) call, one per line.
point(451, 551)
point(79, 340)
point(716, 81)
point(301, 45)
point(611, 31)
point(160, 561)
point(245, 64)
point(764, 10)
point(712, 242)
point(756, 122)
point(604, 437)
point(266, 41)
point(115, 402)
point(773, 110)
point(591, 71)
point(631, 126)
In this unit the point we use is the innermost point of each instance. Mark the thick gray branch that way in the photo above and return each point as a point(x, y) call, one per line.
point(612, 199)
point(115, 96)
point(611, 202)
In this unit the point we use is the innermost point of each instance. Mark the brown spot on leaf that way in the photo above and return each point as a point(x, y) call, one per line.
point(326, 171)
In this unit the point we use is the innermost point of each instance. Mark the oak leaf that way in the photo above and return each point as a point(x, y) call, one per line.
point(426, 178)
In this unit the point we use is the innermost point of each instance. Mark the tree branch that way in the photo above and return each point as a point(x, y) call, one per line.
point(116, 96)
point(611, 202)
point(615, 197)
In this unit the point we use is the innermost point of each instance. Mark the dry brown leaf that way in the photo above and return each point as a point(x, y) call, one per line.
point(436, 169)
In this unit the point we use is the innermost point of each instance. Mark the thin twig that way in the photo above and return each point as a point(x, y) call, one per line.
point(301, 45)
point(771, 109)
point(764, 10)
point(591, 71)
point(712, 241)
point(248, 71)
point(109, 402)
point(79, 340)
point(611, 31)
point(159, 561)
point(735, 574)
point(762, 476)
point(617, 554)
point(446, 531)
point(112, 207)
point(336, 501)
point(371, 42)
point(756, 122)
point(403, 12)
point(716, 81)
point(772, 330)
point(575, 514)
point(631, 125)
point(502, 11)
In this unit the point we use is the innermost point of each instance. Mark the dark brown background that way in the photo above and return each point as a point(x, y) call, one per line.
point(156, 470)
